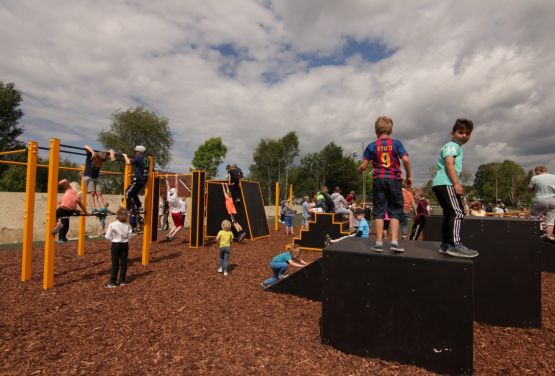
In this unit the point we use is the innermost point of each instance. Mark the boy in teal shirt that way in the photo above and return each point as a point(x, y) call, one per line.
point(281, 262)
point(449, 191)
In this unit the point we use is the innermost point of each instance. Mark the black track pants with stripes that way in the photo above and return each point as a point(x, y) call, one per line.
point(453, 213)
point(132, 194)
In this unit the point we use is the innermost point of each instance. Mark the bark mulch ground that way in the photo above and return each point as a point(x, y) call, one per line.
point(179, 316)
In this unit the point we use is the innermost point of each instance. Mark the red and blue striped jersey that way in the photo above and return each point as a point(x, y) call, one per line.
point(385, 154)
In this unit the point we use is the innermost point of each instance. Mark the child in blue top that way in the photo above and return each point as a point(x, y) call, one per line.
point(281, 262)
point(449, 191)
point(306, 214)
point(289, 216)
point(362, 232)
point(386, 155)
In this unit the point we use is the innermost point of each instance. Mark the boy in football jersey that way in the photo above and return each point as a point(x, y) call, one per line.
point(449, 191)
point(385, 154)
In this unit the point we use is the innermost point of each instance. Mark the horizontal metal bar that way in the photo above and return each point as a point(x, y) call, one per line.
point(13, 152)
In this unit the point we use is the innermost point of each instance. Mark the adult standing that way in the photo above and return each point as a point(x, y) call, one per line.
point(543, 203)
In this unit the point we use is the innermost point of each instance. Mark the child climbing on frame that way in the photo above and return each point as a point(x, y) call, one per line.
point(176, 209)
point(232, 212)
point(93, 164)
point(224, 237)
point(281, 262)
point(119, 233)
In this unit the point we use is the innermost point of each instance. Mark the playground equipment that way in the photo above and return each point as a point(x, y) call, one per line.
point(250, 210)
point(277, 215)
point(52, 193)
point(507, 271)
point(314, 238)
point(306, 283)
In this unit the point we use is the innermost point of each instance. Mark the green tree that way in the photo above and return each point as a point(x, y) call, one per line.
point(328, 167)
point(14, 178)
point(505, 181)
point(209, 156)
point(138, 126)
point(10, 113)
point(272, 161)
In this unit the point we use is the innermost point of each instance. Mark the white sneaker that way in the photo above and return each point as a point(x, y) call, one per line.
point(220, 269)
point(225, 273)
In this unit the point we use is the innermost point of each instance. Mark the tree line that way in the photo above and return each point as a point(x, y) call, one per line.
point(273, 160)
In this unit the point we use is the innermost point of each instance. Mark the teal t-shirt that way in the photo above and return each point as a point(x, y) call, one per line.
point(544, 186)
point(450, 149)
point(283, 257)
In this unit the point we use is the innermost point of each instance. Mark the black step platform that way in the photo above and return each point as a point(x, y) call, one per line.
point(306, 282)
point(414, 307)
point(324, 223)
point(507, 271)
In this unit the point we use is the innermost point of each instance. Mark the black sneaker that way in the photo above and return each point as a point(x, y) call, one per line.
point(241, 236)
point(460, 250)
point(328, 240)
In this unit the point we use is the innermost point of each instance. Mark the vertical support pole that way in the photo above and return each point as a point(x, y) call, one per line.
point(126, 182)
point(29, 215)
point(51, 200)
point(196, 230)
point(276, 225)
point(147, 224)
point(291, 195)
point(82, 220)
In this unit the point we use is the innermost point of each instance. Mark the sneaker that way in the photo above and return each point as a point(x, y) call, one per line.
point(225, 273)
point(122, 283)
point(169, 238)
point(328, 240)
point(263, 285)
point(241, 236)
point(110, 286)
point(378, 247)
point(283, 276)
point(220, 269)
point(95, 211)
point(57, 228)
point(61, 241)
point(460, 250)
point(443, 248)
point(395, 247)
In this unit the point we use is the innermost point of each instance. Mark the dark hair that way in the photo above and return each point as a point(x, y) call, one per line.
point(337, 189)
point(463, 124)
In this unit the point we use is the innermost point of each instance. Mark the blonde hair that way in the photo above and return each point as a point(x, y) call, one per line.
point(76, 187)
point(122, 215)
point(295, 251)
point(383, 125)
point(226, 225)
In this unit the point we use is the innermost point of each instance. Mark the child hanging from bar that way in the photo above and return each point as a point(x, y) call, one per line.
point(119, 233)
point(93, 164)
point(176, 209)
point(67, 207)
point(232, 212)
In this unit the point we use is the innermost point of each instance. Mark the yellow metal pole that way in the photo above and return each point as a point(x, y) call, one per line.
point(276, 223)
point(126, 182)
point(291, 195)
point(83, 219)
point(29, 215)
point(147, 224)
point(20, 151)
point(51, 200)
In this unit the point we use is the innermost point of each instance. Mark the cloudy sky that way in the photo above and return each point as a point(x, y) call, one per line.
point(246, 70)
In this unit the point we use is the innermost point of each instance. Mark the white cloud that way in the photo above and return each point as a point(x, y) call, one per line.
point(77, 62)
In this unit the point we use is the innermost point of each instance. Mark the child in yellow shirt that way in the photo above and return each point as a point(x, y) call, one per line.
point(224, 237)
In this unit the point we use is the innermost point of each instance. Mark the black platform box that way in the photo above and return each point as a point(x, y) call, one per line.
point(507, 271)
point(415, 307)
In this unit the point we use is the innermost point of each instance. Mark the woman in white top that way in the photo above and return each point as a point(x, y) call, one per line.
point(119, 233)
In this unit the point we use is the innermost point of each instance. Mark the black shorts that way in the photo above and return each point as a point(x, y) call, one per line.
point(232, 218)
